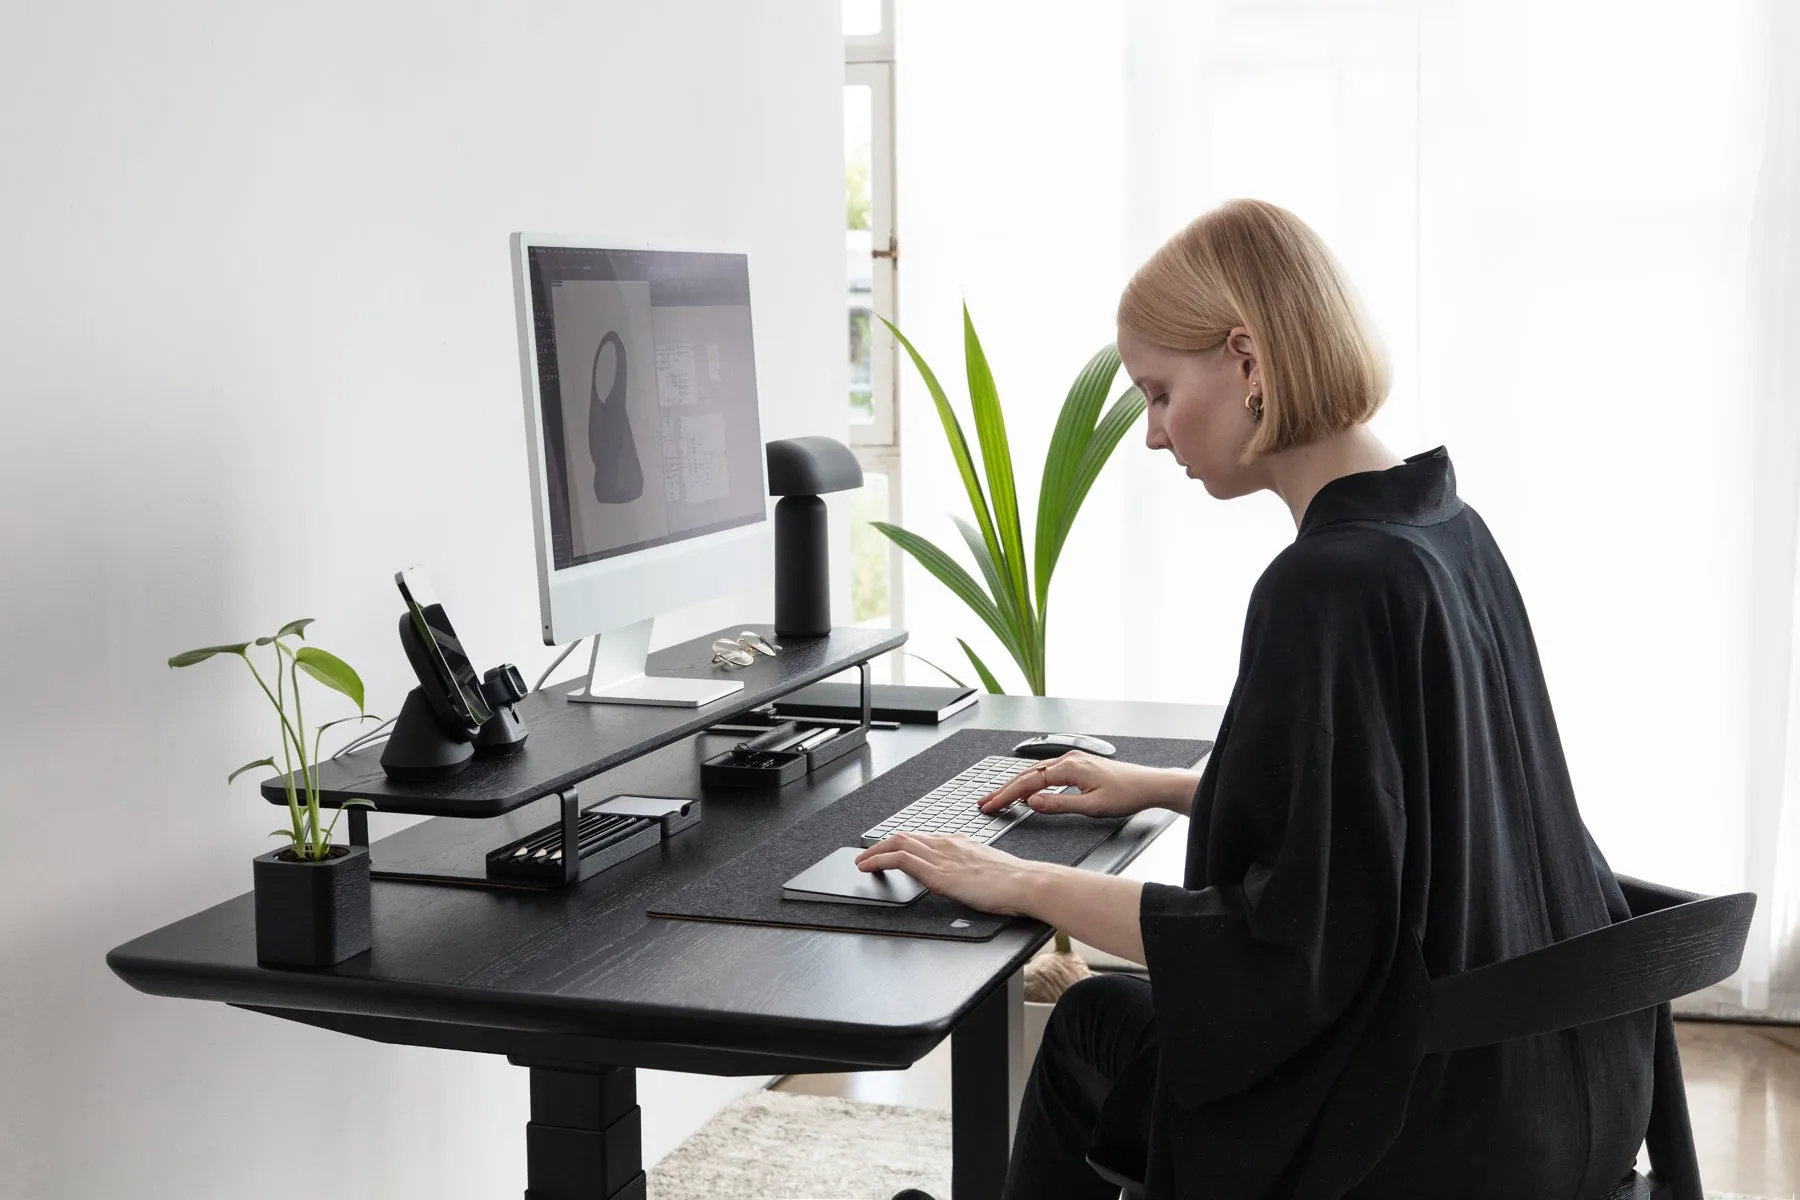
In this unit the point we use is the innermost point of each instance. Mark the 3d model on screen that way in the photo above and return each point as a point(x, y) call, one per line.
point(618, 476)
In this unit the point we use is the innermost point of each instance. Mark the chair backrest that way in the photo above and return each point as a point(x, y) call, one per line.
point(1673, 944)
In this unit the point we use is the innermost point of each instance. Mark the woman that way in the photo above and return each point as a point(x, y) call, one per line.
point(1387, 802)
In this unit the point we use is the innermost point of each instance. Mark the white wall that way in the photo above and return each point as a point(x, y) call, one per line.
point(254, 307)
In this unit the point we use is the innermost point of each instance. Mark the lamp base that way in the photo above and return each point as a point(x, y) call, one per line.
point(802, 568)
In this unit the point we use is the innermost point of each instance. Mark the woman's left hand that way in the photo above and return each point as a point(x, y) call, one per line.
point(951, 865)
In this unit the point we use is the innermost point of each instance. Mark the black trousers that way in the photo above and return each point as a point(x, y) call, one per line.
point(1097, 1029)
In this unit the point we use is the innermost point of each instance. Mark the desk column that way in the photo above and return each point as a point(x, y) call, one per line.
point(987, 1077)
point(585, 1139)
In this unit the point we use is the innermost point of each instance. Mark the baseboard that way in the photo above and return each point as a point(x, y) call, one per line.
point(1724, 1002)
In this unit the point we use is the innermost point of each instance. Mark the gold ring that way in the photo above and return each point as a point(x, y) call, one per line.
point(1045, 773)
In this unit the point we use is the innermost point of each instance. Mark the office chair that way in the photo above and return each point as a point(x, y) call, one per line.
point(1674, 943)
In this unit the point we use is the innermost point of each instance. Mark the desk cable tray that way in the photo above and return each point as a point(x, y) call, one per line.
point(571, 744)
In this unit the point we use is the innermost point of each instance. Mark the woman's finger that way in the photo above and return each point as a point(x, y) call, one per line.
point(1049, 802)
point(901, 860)
point(903, 840)
point(1019, 787)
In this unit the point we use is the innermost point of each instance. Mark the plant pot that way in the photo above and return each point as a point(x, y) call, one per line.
point(312, 914)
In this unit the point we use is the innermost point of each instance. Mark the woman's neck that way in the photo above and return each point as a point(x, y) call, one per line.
point(1297, 475)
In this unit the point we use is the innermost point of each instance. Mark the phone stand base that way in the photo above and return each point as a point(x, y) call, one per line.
point(417, 750)
point(501, 734)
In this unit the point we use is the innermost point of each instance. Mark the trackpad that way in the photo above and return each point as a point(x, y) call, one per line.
point(836, 879)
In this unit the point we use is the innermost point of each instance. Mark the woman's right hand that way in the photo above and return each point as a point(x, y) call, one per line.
point(1107, 788)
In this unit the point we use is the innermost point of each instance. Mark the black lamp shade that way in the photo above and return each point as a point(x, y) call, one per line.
point(812, 466)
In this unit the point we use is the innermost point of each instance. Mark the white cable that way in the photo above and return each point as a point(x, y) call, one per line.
point(566, 650)
point(359, 742)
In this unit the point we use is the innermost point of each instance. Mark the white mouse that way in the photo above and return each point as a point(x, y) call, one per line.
point(1050, 745)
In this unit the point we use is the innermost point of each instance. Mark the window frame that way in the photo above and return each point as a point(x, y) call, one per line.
point(883, 428)
point(869, 62)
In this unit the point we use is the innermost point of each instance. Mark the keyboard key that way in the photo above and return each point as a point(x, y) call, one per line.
point(954, 807)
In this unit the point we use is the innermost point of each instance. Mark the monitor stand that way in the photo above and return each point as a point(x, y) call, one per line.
point(616, 675)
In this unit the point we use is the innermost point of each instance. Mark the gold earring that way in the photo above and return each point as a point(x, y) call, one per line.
point(1253, 403)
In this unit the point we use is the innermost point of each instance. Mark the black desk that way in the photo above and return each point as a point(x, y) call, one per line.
point(582, 988)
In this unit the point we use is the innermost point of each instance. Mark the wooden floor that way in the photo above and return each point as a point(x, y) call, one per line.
point(1743, 1085)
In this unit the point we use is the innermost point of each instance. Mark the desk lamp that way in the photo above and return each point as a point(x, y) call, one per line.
point(800, 470)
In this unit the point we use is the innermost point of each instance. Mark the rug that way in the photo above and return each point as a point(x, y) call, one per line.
point(780, 1146)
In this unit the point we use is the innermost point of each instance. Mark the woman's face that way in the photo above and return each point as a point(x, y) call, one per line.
point(1194, 404)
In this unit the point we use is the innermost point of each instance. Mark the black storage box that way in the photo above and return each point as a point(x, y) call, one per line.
point(754, 768)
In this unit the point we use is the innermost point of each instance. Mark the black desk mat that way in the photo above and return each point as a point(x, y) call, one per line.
point(747, 889)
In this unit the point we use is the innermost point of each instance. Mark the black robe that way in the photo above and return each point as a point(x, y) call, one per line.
point(1387, 802)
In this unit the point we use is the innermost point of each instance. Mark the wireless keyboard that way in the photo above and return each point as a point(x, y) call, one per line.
point(951, 807)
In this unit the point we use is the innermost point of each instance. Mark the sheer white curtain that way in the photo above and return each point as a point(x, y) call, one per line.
point(1575, 224)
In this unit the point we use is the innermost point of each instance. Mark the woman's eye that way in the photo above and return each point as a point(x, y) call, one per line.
point(1162, 399)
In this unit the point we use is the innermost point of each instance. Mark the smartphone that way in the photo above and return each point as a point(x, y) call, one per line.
point(456, 674)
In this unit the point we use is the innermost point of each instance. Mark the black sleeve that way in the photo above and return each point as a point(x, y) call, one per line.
point(1302, 915)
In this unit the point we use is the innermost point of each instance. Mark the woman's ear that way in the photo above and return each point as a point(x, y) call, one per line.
point(1243, 349)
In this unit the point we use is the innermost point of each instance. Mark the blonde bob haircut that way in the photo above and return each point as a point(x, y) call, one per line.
point(1253, 264)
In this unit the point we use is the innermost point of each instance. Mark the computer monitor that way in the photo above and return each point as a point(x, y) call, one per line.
point(647, 486)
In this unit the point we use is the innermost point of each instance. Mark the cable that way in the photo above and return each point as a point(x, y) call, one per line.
point(357, 743)
point(566, 650)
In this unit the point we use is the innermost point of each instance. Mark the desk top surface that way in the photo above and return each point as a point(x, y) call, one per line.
point(588, 962)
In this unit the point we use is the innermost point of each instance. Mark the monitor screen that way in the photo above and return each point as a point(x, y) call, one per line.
point(647, 385)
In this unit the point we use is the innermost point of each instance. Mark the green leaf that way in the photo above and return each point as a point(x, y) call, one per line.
point(1002, 595)
point(1024, 629)
point(996, 458)
point(1119, 419)
point(1074, 430)
point(951, 574)
point(292, 627)
point(188, 658)
point(935, 667)
point(249, 766)
point(286, 833)
point(331, 671)
point(987, 677)
point(959, 445)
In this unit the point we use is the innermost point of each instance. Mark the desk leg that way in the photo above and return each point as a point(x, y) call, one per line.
point(585, 1138)
point(987, 1075)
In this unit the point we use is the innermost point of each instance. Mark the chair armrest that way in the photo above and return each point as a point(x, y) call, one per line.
point(1642, 897)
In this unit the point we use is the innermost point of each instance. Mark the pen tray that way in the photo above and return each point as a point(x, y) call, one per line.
point(753, 768)
point(611, 831)
point(738, 767)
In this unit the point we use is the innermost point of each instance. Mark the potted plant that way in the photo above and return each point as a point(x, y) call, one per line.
point(1014, 605)
point(312, 897)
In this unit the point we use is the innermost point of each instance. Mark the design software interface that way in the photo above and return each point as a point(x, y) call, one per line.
point(647, 380)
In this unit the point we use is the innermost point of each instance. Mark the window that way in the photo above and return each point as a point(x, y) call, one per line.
point(871, 257)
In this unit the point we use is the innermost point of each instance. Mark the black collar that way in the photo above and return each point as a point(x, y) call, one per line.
point(1420, 491)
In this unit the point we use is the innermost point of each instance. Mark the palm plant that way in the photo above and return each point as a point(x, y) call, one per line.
point(1015, 602)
